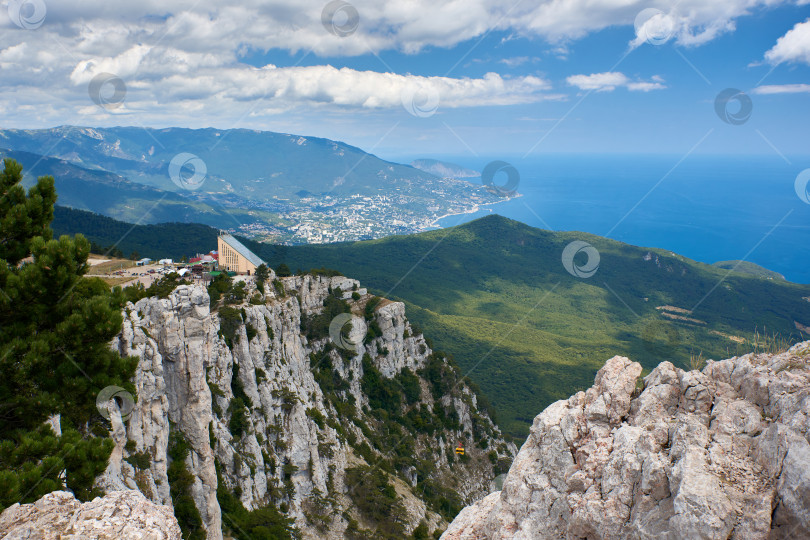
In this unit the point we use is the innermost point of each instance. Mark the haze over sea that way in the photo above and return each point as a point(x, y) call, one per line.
point(708, 208)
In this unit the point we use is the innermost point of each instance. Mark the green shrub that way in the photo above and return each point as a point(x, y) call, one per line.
point(282, 270)
point(262, 273)
point(236, 294)
point(371, 306)
point(237, 388)
point(317, 326)
point(212, 439)
point(266, 523)
point(382, 393)
point(421, 532)
point(375, 498)
point(139, 460)
point(440, 376)
point(317, 417)
point(180, 482)
point(220, 285)
point(443, 500)
point(410, 385)
point(239, 423)
point(250, 332)
point(161, 288)
point(230, 319)
point(326, 272)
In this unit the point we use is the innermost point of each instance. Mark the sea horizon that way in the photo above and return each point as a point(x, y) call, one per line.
point(709, 208)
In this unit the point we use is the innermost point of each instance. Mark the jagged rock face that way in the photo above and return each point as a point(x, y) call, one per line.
point(187, 375)
point(119, 514)
point(717, 453)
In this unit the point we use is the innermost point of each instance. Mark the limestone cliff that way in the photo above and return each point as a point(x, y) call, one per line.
point(282, 418)
point(717, 453)
point(119, 514)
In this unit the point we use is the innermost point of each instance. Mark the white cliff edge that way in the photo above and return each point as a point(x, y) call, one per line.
point(717, 453)
point(119, 514)
point(287, 456)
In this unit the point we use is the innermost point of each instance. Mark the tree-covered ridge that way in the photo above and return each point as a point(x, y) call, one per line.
point(746, 267)
point(164, 240)
point(55, 327)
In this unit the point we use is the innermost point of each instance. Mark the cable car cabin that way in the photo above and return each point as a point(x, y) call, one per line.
point(460, 450)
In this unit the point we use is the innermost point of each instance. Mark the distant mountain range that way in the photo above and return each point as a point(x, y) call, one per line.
point(495, 294)
point(257, 183)
point(255, 165)
point(444, 169)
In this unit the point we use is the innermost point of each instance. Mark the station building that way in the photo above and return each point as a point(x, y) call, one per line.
point(235, 257)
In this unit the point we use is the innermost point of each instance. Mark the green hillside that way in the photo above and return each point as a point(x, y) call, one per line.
point(172, 240)
point(745, 267)
point(494, 293)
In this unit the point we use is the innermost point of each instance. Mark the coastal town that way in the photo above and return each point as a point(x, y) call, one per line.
point(331, 218)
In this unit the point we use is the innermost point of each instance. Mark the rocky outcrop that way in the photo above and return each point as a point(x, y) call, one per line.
point(717, 453)
point(203, 371)
point(119, 514)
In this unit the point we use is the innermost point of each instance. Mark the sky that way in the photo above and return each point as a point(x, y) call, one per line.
point(421, 78)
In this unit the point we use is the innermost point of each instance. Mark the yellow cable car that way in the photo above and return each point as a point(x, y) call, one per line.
point(460, 450)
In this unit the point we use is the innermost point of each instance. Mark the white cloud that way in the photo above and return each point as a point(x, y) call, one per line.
point(313, 85)
point(782, 89)
point(609, 81)
point(411, 26)
point(794, 46)
point(687, 26)
point(178, 56)
point(516, 61)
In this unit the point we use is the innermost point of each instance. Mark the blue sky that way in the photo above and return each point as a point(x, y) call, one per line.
point(670, 120)
point(494, 78)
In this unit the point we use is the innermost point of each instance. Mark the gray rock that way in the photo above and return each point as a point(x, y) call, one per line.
point(119, 514)
point(185, 380)
point(721, 453)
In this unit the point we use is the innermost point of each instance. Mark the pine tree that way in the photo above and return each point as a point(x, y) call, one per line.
point(283, 270)
point(55, 329)
point(262, 274)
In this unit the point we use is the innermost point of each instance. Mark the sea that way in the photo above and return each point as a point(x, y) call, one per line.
point(708, 208)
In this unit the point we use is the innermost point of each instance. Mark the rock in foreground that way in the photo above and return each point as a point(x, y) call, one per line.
point(117, 515)
point(721, 453)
